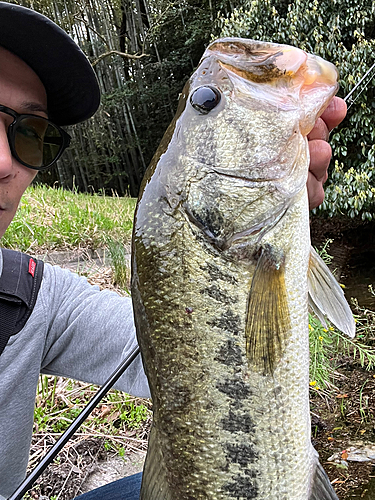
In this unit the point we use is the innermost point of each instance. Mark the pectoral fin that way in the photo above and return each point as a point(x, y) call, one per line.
point(268, 321)
point(326, 298)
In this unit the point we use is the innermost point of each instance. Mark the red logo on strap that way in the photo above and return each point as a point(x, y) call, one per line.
point(32, 266)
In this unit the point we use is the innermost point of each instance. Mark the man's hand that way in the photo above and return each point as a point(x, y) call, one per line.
point(320, 150)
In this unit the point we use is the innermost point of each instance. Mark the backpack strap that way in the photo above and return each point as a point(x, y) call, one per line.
point(19, 286)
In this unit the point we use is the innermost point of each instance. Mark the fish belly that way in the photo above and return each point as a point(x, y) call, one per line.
point(221, 430)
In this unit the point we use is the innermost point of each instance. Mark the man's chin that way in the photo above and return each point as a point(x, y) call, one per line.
point(3, 224)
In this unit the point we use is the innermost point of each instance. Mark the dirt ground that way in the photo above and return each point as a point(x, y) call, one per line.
point(337, 424)
point(85, 465)
point(347, 420)
point(343, 423)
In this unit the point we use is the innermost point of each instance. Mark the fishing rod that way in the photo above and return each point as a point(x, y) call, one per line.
point(49, 456)
point(348, 96)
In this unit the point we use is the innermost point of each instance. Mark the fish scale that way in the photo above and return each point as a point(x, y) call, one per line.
point(220, 271)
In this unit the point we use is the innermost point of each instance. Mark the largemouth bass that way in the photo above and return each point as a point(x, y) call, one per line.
point(222, 271)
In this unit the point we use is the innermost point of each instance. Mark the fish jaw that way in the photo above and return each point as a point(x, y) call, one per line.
point(261, 62)
point(280, 74)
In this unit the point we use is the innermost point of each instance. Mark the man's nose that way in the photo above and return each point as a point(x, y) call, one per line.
point(6, 159)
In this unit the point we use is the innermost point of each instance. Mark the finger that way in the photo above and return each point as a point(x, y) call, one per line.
point(315, 191)
point(334, 113)
point(320, 157)
point(320, 131)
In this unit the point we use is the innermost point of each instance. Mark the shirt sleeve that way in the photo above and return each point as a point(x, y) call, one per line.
point(89, 332)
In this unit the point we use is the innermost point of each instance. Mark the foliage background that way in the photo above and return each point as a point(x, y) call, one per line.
point(341, 31)
point(139, 94)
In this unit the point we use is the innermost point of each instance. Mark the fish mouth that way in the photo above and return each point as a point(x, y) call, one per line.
point(284, 76)
point(266, 62)
point(259, 62)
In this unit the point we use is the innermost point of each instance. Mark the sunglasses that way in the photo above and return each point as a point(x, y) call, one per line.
point(34, 141)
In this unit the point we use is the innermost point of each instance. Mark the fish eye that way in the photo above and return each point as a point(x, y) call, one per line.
point(205, 98)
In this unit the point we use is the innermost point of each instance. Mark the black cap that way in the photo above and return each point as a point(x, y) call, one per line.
point(73, 93)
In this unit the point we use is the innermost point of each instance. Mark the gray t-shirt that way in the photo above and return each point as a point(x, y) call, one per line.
point(75, 331)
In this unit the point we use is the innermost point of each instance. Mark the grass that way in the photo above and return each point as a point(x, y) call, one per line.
point(55, 219)
point(322, 352)
point(119, 425)
point(327, 344)
point(118, 416)
point(119, 262)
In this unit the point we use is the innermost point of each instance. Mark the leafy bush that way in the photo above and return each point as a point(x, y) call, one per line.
point(341, 31)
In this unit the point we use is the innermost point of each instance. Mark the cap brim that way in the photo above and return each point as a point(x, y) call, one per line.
point(72, 89)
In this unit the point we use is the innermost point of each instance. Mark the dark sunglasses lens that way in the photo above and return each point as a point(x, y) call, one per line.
point(37, 142)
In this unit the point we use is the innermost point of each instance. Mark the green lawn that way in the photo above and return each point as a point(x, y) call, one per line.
point(51, 219)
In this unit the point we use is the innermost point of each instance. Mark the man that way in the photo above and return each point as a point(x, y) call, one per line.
point(74, 330)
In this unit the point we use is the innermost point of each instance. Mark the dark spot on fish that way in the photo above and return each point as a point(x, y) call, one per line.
point(211, 245)
point(243, 252)
point(236, 422)
point(242, 487)
point(201, 160)
point(242, 454)
point(236, 389)
point(189, 310)
point(215, 293)
point(274, 257)
point(251, 473)
point(277, 390)
point(216, 273)
point(211, 220)
point(229, 354)
point(228, 321)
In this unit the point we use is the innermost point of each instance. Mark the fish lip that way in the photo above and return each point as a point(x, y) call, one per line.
point(264, 61)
